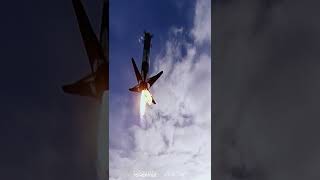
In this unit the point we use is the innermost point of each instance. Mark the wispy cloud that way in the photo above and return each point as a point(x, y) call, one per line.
point(202, 21)
point(173, 140)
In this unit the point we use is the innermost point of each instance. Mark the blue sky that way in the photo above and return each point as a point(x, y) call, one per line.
point(128, 20)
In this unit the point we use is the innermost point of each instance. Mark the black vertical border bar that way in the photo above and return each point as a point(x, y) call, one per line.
point(213, 3)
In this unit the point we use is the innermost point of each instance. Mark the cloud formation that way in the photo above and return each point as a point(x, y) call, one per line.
point(202, 21)
point(173, 141)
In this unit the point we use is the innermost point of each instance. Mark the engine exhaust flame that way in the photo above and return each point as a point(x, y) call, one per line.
point(145, 99)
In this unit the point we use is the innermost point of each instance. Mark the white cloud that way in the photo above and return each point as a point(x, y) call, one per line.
point(202, 21)
point(173, 141)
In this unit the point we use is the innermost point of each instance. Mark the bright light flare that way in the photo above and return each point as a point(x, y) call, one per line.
point(145, 99)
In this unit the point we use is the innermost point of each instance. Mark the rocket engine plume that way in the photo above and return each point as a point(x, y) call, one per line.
point(145, 99)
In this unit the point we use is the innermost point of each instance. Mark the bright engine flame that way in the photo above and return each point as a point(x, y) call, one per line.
point(145, 99)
